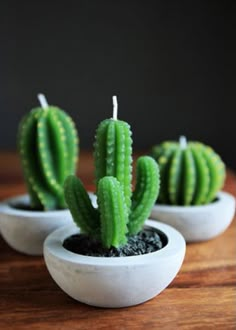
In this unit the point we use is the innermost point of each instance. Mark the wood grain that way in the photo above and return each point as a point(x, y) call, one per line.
point(202, 296)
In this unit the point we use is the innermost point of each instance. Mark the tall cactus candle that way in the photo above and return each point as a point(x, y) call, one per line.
point(120, 212)
point(48, 147)
point(191, 172)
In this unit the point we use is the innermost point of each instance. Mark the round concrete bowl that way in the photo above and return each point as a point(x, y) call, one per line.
point(25, 230)
point(116, 281)
point(198, 223)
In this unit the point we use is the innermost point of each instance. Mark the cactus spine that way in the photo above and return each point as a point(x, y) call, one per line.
point(119, 213)
point(191, 173)
point(48, 147)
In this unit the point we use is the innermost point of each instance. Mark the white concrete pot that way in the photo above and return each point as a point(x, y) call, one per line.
point(198, 223)
point(114, 281)
point(93, 198)
point(25, 231)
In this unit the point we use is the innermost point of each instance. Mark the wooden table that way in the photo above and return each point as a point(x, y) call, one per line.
point(202, 296)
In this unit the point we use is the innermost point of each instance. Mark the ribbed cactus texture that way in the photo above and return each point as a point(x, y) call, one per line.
point(48, 147)
point(119, 213)
point(113, 154)
point(191, 173)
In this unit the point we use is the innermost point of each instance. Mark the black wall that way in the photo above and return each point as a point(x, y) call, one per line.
point(171, 63)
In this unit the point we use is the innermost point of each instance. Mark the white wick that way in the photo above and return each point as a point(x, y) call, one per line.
point(115, 107)
point(183, 142)
point(43, 101)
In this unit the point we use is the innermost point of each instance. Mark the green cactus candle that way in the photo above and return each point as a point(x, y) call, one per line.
point(48, 147)
point(191, 173)
point(120, 213)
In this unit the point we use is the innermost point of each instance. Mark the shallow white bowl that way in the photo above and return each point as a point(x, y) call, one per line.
point(116, 281)
point(25, 230)
point(198, 223)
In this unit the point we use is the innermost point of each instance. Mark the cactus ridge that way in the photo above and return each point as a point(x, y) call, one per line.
point(120, 213)
point(175, 175)
point(191, 175)
point(72, 140)
point(164, 165)
point(189, 184)
point(48, 155)
point(202, 177)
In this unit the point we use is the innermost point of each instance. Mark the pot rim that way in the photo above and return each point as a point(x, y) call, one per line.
point(221, 198)
point(53, 246)
point(7, 208)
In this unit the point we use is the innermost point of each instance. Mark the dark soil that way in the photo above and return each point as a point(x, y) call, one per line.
point(180, 204)
point(27, 207)
point(147, 241)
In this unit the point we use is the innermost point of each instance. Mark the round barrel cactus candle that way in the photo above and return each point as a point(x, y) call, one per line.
point(191, 172)
point(192, 176)
point(48, 147)
point(120, 212)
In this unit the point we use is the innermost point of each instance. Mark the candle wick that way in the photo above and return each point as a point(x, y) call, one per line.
point(115, 107)
point(183, 142)
point(43, 101)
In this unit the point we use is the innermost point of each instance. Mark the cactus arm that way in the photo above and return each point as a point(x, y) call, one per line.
point(145, 194)
point(202, 175)
point(81, 208)
point(175, 176)
point(113, 213)
point(58, 145)
point(217, 173)
point(40, 197)
point(113, 154)
point(48, 159)
point(189, 177)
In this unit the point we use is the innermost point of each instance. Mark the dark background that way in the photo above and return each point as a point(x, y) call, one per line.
point(171, 63)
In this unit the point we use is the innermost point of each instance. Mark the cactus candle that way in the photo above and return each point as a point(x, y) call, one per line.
point(120, 212)
point(48, 146)
point(86, 265)
point(190, 199)
point(191, 172)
